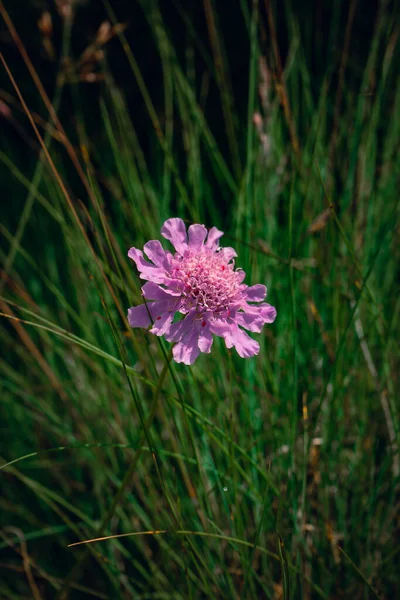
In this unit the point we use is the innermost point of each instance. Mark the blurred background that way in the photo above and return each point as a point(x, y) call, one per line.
point(274, 477)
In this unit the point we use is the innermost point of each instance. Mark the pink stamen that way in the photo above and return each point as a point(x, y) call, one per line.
point(206, 288)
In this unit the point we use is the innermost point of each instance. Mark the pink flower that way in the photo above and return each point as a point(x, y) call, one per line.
point(201, 283)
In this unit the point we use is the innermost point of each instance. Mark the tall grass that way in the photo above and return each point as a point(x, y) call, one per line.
point(275, 477)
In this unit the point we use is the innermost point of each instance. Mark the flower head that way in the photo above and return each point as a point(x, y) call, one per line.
point(200, 282)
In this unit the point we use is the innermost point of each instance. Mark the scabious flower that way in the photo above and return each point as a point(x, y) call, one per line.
point(200, 282)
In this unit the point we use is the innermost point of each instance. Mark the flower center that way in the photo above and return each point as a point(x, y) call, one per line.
point(211, 283)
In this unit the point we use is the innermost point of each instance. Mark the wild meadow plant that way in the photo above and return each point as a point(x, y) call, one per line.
point(197, 474)
point(200, 281)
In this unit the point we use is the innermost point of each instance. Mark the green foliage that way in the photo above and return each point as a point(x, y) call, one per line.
point(275, 477)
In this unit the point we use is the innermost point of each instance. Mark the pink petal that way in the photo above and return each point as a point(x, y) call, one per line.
point(138, 316)
point(228, 253)
point(220, 328)
point(244, 344)
point(162, 323)
point(152, 291)
point(197, 235)
point(187, 350)
point(180, 329)
point(205, 340)
point(266, 311)
point(174, 230)
point(241, 275)
point(214, 236)
point(254, 317)
point(173, 286)
point(251, 322)
point(156, 253)
point(233, 336)
point(146, 269)
point(256, 293)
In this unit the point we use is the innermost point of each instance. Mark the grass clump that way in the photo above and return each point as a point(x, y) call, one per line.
point(275, 477)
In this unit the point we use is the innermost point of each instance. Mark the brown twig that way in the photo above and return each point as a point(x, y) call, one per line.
point(25, 559)
point(70, 149)
point(339, 93)
point(280, 83)
point(61, 184)
point(33, 349)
